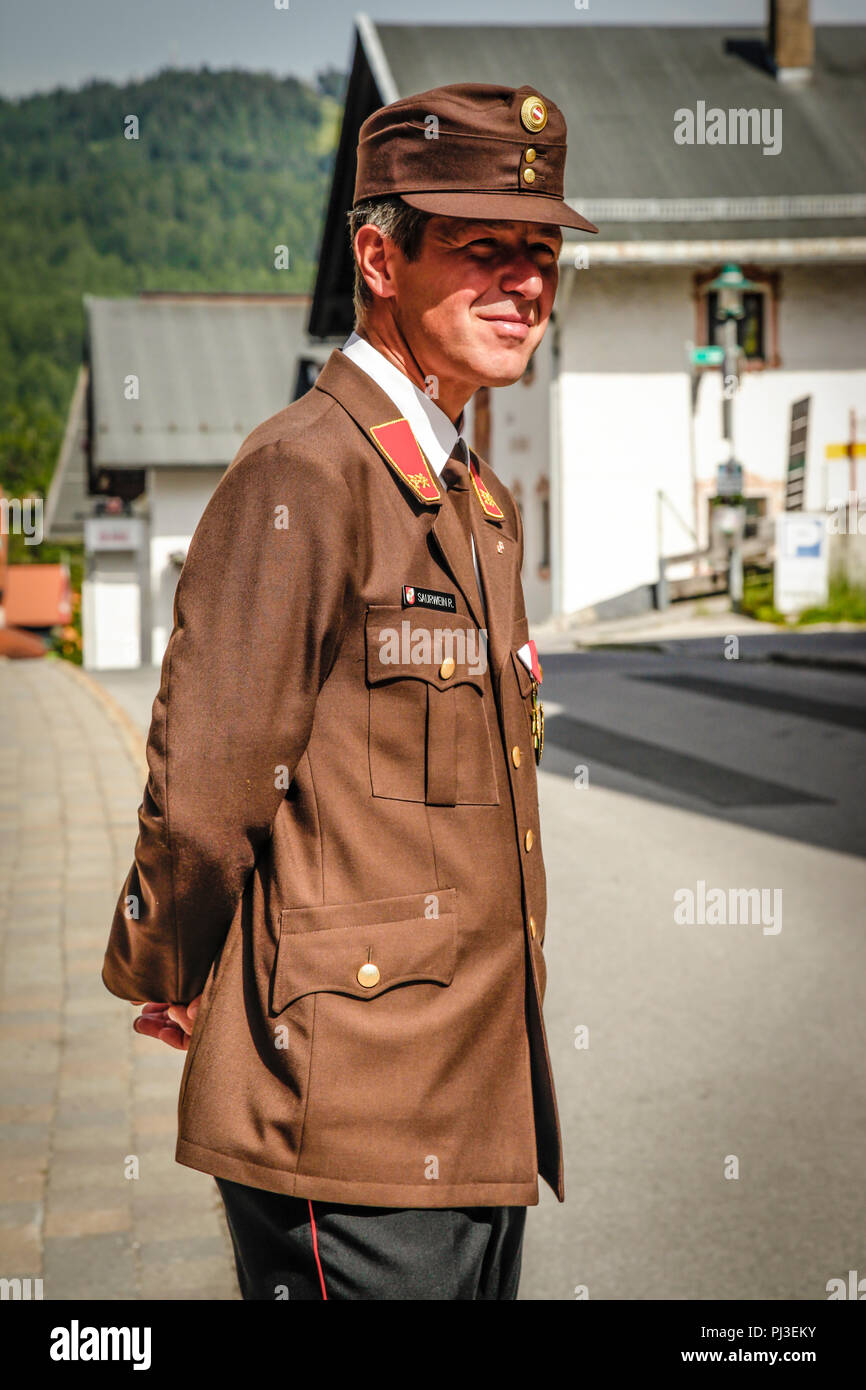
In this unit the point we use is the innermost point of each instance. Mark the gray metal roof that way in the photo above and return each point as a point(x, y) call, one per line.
point(209, 371)
point(619, 88)
point(67, 503)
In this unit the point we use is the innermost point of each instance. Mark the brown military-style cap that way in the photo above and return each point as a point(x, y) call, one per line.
point(471, 150)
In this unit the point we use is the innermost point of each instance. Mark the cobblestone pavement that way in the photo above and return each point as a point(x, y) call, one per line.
point(82, 1097)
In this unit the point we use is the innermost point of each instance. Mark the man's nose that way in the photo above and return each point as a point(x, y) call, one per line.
point(522, 276)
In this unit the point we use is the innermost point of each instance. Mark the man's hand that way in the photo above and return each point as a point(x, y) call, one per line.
point(171, 1023)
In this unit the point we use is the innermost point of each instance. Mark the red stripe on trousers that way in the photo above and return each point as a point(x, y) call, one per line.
point(316, 1249)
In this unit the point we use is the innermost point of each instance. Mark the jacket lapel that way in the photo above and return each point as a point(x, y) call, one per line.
point(374, 412)
point(497, 559)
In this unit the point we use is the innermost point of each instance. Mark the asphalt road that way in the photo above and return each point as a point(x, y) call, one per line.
point(714, 1115)
point(714, 1047)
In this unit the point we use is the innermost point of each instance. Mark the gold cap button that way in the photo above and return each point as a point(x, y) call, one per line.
point(529, 175)
point(532, 927)
point(368, 975)
point(447, 668)
point(529, 839)
point(515, 755)
point(533, 114)
point(530, 155)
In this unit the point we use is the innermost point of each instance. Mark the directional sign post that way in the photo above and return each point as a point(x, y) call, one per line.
point(712, 356)
point(795, 479)
point(729, 479)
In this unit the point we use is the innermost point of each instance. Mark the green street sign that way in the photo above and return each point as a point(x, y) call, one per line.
point(708, 356)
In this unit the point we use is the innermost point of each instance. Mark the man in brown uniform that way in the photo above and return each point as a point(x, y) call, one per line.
point(338, 891)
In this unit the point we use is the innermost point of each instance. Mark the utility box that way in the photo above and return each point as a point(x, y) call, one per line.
point(111, 593)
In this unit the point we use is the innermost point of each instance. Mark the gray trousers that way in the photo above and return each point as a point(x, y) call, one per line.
point(294, 1248)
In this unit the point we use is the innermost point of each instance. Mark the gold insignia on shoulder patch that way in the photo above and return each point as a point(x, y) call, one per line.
point(489, 504)
point(399, 447)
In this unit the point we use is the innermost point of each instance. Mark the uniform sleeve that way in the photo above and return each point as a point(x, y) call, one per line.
point(259, 611)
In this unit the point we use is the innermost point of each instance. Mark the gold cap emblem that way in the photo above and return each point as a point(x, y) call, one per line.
point(533, 114)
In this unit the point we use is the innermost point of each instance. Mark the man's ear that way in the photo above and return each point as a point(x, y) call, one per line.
point(375, 255)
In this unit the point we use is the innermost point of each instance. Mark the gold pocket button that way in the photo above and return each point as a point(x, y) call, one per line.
point(368, 975)
point(448, 667)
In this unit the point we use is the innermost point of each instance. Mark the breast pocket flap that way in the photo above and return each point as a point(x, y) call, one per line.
point(443, 649)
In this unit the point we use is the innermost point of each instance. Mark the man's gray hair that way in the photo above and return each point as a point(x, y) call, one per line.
point(395, 219)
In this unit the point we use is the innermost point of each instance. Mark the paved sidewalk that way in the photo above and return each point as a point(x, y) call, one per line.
point(693, 620)
point(83, 1099)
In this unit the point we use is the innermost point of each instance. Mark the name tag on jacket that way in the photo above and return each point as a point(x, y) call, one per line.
point(414, 597)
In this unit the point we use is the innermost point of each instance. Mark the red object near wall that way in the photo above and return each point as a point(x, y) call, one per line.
point(37, 596)
point(19, 645)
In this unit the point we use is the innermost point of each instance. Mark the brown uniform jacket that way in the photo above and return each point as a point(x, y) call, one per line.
point(314, 806)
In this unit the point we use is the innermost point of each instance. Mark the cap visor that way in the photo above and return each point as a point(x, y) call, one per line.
point(499, 207)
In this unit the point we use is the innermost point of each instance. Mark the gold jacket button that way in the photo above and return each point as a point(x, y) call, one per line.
point(447, 668)
point(515, 755)
point(529, 839)
point(530, 155)
point(529, 175)
point(368, 975)
point(532, 927)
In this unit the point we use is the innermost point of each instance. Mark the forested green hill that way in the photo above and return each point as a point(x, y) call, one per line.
point(227, 165)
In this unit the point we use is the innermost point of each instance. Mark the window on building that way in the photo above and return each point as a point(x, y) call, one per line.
point(750, 328)
point(757, 330)
point(543, 491)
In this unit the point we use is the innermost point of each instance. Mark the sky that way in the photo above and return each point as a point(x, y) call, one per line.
point(50, 43)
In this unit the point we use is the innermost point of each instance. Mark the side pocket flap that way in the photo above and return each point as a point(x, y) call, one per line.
point(322, 949)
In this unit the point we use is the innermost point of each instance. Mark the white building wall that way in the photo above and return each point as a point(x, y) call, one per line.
point(625, 414)
point(177, 497)
point(520, 455)
point(624, 429)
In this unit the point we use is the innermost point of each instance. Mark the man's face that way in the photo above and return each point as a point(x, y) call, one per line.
point(476, 303)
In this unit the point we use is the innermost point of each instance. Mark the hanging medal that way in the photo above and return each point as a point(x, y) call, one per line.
point(537, 725)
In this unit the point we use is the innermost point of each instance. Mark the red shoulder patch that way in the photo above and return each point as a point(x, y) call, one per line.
point(485, 496)
point(398, 445)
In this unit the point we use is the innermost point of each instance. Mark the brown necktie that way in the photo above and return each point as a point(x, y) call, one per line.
point(455, 476)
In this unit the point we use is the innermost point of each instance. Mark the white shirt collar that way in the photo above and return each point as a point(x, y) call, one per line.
point(429, 423)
